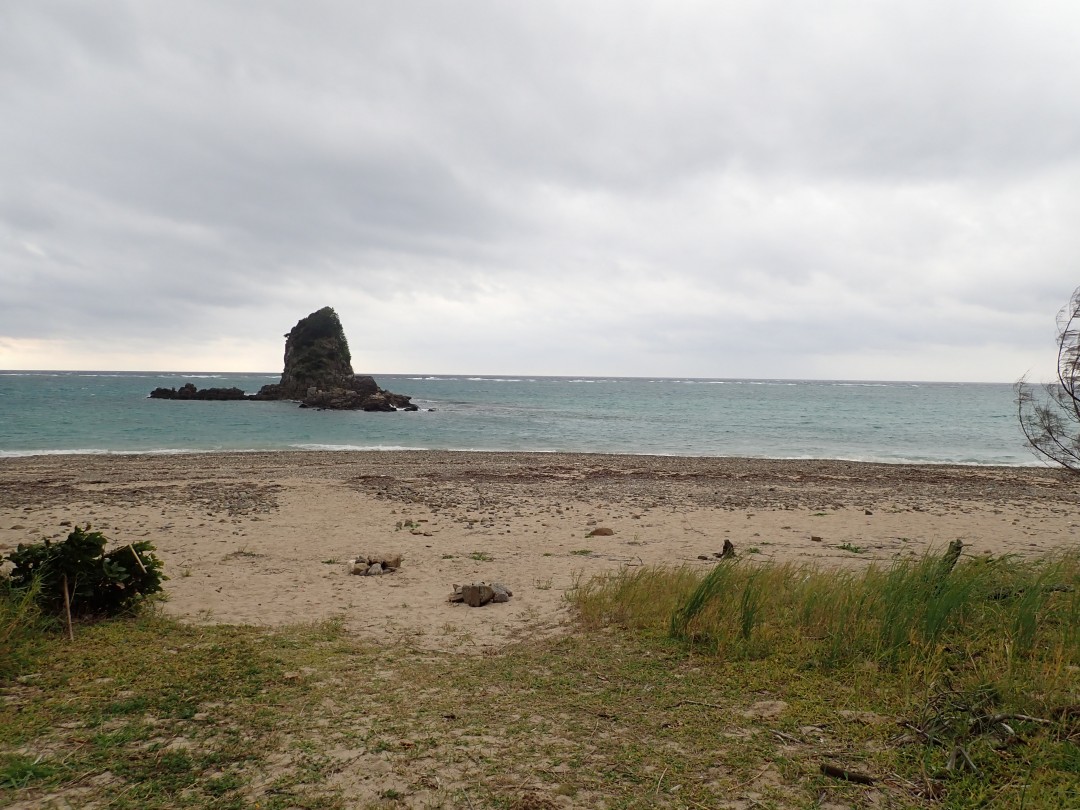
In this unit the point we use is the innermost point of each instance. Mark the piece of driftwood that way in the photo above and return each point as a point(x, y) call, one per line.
point(67, 609)
point(695, 703)
point(948, 562)
point(836, 772)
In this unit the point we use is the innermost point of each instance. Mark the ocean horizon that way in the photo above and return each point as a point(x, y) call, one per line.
point(69, 412)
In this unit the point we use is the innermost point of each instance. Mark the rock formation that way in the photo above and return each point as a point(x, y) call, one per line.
point(318, 373)
point(189, 391)
point(316, 356)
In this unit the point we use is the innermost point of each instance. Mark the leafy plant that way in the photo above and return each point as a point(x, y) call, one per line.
point(97, 582)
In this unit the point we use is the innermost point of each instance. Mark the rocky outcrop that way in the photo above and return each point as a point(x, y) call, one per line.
point(316, 356)
point(360, 397)
point(189, 391)
point(318, 373)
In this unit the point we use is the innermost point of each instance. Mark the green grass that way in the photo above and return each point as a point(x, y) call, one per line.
point(481, 556)
point(21, 627)
point(964, 651)
point(676, 688)
point(851, 547)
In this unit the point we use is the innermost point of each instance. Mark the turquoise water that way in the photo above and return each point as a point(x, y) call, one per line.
point(65, 412)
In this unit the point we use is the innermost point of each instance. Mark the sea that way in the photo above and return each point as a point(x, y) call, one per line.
point(65, 412)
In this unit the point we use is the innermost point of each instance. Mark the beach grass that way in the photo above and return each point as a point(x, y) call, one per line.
point(674, 688)
point(1011, 620)
point(21, 626)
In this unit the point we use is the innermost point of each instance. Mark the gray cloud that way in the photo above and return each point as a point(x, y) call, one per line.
point(600, 187)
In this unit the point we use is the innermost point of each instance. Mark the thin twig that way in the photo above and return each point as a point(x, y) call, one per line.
point(998, 718)
point(137, 558)
point(964, 757)
point(929, 737)
point(67, 609)
point(661, 779)
point(752, 779)
point(787, 737)
point(694, 703)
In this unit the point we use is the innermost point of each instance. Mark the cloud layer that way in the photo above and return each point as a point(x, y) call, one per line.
point(853, 190)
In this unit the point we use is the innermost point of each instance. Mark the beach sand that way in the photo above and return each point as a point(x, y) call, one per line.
point(263, 538)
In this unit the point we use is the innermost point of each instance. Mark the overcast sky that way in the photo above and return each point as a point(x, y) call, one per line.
point(859, 190)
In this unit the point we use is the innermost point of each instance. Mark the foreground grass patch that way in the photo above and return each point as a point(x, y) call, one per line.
point(981, 656)
point(167, 713)
point(233, 718)
point(150, 713)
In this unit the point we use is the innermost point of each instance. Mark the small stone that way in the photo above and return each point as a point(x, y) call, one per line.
point(501, 592)
point(358, 566)
point(704, 556)
point(867, 511)
point(815, 538)
point(375, 570)
point(601, 531)
point(499, 586)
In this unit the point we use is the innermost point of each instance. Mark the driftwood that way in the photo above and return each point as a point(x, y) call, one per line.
point(948, 562)
point(836, 772)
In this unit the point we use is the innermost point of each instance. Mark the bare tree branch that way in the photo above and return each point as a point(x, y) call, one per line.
point(1051, 423)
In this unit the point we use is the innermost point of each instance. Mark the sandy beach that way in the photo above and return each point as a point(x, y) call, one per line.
point(264, 538)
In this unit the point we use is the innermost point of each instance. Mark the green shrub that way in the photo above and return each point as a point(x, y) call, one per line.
point(99, 583)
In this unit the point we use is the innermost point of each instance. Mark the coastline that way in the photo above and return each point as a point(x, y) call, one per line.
point(263, 537)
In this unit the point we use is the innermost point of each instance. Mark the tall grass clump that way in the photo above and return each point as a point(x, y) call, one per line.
point(21, 625)
point(1003, 619)
point(636, 598)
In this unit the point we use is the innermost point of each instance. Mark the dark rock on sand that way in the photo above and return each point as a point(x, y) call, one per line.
point(478, 594)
